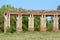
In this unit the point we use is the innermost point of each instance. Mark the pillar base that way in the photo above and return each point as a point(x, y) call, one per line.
point(43, 29)
point(31, 29)
point(19, 30)
point(55, 29)
point(6, 29)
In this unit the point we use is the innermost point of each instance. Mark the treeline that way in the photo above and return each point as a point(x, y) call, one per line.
point(24, 22)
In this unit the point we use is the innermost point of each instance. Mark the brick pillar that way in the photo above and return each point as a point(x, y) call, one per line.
point(55, 23)
point(43, 23)
point(19, 23)
point(6, 22)
point(31, 23)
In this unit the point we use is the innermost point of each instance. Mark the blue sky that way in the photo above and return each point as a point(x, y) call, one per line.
point(32, 4)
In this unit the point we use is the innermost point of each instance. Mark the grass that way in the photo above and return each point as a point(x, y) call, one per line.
point(30, 36)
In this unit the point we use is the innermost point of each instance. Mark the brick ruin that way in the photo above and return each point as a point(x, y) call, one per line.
point(31, 13)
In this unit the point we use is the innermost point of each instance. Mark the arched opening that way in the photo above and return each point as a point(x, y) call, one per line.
point(49, 23)
point(59, 23)
point(12, 28)
point(37, 23)
point(1, 24)
point(25, 23)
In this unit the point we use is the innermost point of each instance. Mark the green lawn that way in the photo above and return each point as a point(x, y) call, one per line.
point(30, 36)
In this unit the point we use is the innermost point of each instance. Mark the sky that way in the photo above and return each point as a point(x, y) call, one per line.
point(32, 4)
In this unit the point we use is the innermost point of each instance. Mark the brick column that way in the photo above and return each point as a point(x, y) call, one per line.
point(19, 23)
point(31, 23)
point(6, 22)
point(55, 23)
point(43, 23)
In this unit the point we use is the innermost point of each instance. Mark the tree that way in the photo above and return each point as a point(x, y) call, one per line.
point(58, 8)
point(2, 10)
